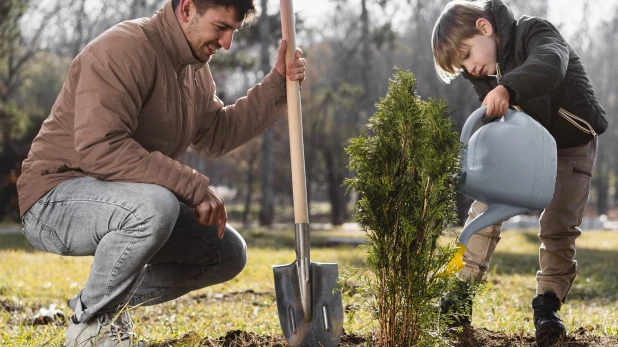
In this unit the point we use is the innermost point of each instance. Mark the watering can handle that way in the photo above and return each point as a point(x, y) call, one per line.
point(466, 132)
point(299, 183)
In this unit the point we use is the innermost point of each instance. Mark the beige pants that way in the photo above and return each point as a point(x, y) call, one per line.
point(559, 224)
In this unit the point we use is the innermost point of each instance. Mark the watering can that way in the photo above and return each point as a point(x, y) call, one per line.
point(510, 165)
point(308, 303)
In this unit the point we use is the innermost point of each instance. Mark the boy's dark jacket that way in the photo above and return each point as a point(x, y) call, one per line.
point(544, 74)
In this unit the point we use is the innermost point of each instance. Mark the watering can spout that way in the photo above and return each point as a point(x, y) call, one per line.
point(495, 213)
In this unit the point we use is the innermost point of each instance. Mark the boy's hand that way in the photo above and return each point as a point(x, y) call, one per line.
point(296, 69)
point(497, 101)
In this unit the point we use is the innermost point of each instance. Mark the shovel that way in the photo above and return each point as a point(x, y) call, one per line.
point(309, 306)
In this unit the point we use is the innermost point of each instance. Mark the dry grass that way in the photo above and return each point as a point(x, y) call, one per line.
point(32, 280)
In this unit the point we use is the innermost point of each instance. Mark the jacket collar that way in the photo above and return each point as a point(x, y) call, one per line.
point(505, 27)
point(174, 39)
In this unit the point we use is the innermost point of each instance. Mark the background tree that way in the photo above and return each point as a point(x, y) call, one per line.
point(267, 211)
point(16, 115)
point(350, 49)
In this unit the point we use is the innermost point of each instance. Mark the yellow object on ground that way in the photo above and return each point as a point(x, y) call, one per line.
point(457, 262)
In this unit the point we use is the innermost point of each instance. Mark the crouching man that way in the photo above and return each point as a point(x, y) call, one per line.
point(103, 178)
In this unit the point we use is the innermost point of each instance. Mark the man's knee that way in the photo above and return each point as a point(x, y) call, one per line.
point(155, 210)
point(159, 202)
point(235, 258)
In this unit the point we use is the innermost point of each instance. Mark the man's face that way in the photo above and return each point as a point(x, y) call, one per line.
point(208, 32)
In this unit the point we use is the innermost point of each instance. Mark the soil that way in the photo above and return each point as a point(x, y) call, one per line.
point(473, 337)
point(470, 337)
point(9, 307)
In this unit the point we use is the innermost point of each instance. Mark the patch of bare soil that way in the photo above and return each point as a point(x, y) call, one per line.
point(233, 296)
point(479, 337)
point(239, 338)
point(469, 337)
point(9, 306)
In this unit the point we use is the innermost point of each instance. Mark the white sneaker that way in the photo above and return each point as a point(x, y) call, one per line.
point(105, 330)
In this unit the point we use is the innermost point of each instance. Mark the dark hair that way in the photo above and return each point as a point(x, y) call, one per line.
point(245, 9)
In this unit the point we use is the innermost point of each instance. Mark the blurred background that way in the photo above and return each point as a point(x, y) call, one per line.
point(351, 48)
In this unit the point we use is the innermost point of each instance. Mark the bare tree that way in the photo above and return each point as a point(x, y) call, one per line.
point(16, 52)
point(267, 210)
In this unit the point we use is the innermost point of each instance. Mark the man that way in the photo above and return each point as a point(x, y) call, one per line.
point(102, 177)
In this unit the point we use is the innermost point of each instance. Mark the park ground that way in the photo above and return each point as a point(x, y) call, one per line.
point(34, 287)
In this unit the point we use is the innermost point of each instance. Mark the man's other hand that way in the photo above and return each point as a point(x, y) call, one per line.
point(211, 211)
point(296, 69)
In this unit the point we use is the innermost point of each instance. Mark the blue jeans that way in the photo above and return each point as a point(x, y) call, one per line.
point(148, 247)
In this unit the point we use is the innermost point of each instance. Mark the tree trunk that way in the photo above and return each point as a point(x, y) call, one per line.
point(267, 210)
point(601, 181)
point(249, 195)
point(366, 41)
point(336, 192)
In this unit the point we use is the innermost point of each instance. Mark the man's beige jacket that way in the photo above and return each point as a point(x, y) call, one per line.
point(134, 100)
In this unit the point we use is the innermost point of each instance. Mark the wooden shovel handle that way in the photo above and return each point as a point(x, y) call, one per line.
point(299, 185)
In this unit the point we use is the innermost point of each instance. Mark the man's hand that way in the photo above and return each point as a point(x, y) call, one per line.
point(211, 211)
point(497, 101)
point(296, 69)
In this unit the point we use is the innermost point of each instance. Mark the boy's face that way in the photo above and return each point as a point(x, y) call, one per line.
point(479, 54)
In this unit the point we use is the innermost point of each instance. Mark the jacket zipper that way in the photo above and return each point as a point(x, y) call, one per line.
point(573, 119)
point(183, 111)
point(498, 77)
point(570, 117)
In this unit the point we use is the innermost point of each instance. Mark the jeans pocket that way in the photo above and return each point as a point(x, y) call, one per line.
point(42, 237)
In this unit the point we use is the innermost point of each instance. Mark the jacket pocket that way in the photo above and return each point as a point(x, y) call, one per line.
point(41, 236)
point(577, 122)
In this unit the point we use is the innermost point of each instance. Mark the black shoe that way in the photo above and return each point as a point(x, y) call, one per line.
point(456, 306)
point(548, 325)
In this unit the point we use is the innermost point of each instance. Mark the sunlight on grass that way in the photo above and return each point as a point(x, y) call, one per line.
point(31, 280)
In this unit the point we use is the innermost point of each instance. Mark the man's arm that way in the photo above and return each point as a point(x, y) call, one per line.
point(224, 128)
point(108, 99)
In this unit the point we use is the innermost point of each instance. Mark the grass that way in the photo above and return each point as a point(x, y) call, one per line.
point(31, 280)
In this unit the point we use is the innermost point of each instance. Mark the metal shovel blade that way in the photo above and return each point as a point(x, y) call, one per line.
point(325, 326)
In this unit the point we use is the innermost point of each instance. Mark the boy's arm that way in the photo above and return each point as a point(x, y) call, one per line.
point(545, 65)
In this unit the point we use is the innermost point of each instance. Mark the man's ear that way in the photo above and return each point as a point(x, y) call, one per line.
point(183, 11)
point(484, 26)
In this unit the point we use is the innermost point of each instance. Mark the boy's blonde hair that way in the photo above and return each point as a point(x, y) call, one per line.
point(456, 24)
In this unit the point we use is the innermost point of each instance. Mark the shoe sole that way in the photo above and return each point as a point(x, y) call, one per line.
point(549, 334)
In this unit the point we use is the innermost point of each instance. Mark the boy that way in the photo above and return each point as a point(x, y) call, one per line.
point(527, 65)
